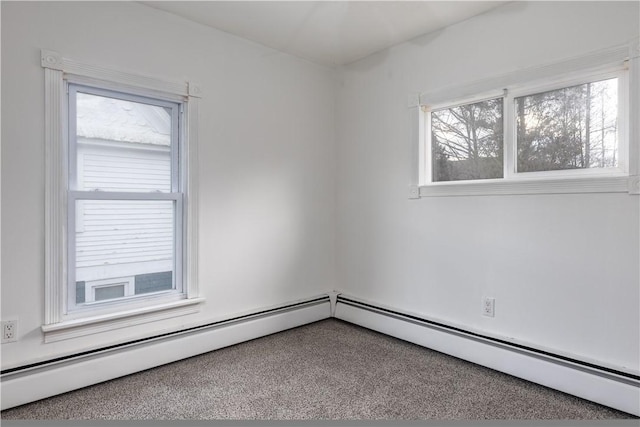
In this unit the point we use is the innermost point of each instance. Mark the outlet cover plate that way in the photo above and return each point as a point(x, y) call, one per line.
point(9, 330)
point(488, 307)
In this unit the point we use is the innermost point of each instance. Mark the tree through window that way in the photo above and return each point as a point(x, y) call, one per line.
point(467, 141)
point(570, 128)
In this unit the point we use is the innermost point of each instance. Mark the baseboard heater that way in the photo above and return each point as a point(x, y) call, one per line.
point(602, 385)
point(40, 380)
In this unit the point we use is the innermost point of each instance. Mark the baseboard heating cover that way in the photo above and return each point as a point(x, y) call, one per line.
point(601, 385)
point(35, 382)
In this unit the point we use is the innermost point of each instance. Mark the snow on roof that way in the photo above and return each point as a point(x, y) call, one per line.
point(123, 121)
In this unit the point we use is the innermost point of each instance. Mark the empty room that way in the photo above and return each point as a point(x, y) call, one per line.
point(320, 210)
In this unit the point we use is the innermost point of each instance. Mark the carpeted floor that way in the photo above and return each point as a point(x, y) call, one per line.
point(326, 370)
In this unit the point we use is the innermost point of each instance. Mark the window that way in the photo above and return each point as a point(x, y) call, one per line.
point(124, 169)
point(560, 128)
point(121, 200)
point(570, 128)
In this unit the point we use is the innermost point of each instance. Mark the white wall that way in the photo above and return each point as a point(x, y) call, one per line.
point(267, 160)
point(564, 269)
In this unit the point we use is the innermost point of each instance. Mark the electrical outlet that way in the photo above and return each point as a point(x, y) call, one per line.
point(489, 307)
point(9, 330)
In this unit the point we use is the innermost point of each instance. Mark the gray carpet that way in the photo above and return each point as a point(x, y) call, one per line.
point(326, 370)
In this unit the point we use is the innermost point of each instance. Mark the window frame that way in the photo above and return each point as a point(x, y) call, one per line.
point(619, 62)
point(426, 111)
point(618, 72)
point(59, 321)
point(176, 195)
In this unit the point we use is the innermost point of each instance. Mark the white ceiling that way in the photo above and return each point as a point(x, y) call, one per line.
point(327, 32)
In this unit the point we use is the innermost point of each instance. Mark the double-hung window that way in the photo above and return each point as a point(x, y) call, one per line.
point(120, 197)
point(558, 129)
point(124, 200)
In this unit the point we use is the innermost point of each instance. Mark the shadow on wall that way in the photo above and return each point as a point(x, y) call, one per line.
point(265, 233)
point(372, 61)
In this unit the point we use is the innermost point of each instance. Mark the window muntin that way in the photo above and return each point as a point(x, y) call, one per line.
point(125, 198)
point(467, 141)
point(574, 127)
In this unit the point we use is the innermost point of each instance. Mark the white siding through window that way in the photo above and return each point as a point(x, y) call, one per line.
point(124, 237)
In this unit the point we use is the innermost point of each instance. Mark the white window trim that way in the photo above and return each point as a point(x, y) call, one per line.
point(58, 71)
point(624, 179)
point(123, 319)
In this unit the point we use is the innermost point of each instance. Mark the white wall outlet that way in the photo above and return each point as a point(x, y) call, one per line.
point(489, 307)
point(9, 330)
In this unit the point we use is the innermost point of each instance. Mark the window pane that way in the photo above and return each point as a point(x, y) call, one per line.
point(109, 292)
point(570, 128)
point(126, 243)
point(467, 141)
point(122, 145)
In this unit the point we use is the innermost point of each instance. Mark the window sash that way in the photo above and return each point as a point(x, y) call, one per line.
point(176, 110)
point(429, 132)
point(178, 257)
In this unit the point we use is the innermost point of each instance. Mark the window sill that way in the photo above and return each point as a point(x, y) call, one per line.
point(108, 322)
point(609, 184)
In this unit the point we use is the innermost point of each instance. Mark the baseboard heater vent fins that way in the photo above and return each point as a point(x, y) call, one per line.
point(610, 387)
point(36, 381)
point(573, 363)
point(188, 331)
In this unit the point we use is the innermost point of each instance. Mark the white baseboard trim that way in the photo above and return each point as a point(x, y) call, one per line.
point(21, 386)
point(600, 386)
